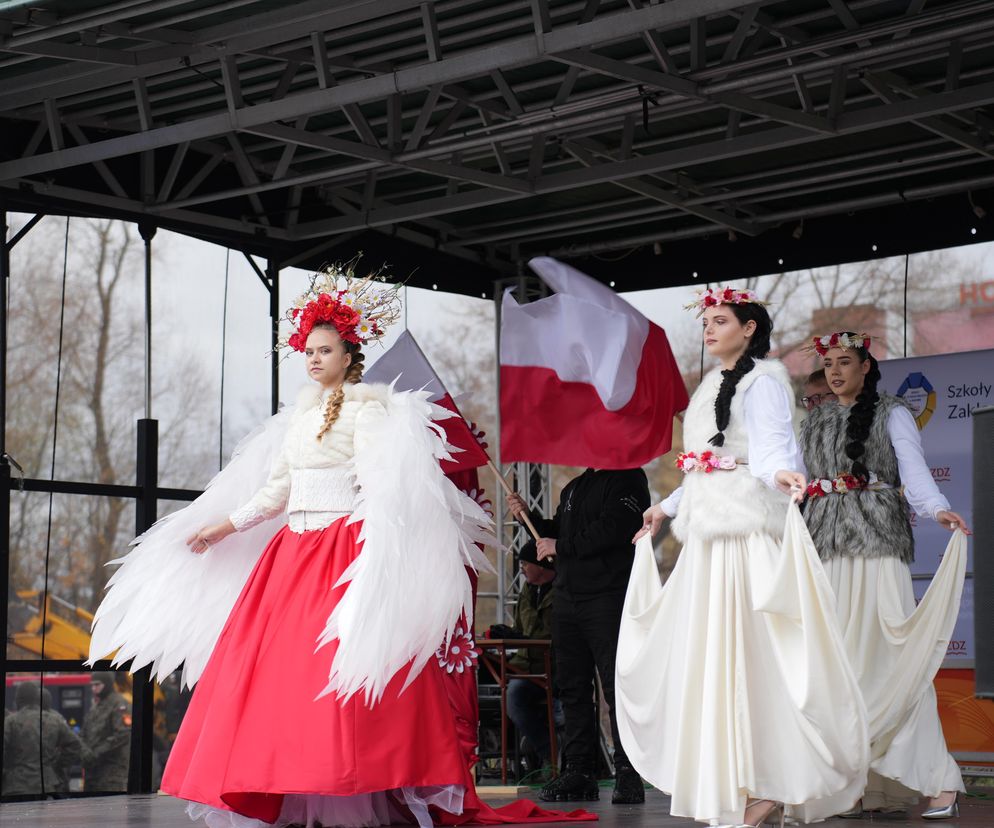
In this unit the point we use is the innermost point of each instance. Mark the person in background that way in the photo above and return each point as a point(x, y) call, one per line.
point(816, 390)
point(526, 700)
point(38, 747)
point(590, 537)
point(106, 737)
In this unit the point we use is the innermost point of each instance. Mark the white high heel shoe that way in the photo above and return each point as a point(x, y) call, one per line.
point(950, 811)
point(775, 809)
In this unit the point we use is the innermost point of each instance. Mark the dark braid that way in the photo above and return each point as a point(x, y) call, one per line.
point(861, 414)
point(758, 348)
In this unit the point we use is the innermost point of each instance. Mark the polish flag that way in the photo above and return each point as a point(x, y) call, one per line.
point(406, 362)
point(585, 379)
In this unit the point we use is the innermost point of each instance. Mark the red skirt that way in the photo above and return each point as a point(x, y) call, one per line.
point(256, 731)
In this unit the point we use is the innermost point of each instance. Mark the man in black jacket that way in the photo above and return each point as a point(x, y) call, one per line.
point(590, 537)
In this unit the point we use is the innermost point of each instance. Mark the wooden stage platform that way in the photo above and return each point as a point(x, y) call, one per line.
point(165, 812)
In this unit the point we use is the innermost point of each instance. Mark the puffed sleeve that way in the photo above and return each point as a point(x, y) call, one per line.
point(269, 501)
point(920, 488)
point(769, 415)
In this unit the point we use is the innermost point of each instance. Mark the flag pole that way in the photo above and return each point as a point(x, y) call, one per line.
point(507, 488)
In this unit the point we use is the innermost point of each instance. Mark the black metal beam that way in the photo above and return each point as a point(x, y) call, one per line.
point(273, 273)
point(143, 700)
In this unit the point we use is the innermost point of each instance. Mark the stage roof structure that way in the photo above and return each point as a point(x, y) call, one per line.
point(649, 143)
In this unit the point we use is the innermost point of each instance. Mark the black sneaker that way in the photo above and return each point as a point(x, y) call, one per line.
point(628, 787)
point(572, 785)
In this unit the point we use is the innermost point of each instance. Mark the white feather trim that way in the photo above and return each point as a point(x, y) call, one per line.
point(165, 605)
point(408, 587)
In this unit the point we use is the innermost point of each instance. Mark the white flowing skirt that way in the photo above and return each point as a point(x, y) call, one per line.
point(733, 682)
point(358, 811)
point(895, 649)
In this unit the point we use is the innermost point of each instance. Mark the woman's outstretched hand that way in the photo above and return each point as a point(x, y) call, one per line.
point(952, 521)
point(208, 536)
point(652, 519)
point(792, 483)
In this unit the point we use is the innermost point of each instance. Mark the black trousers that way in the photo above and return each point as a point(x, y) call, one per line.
point(585, 639)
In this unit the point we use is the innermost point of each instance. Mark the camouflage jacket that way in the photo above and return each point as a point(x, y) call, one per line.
point(107, 745)
point(60, 748)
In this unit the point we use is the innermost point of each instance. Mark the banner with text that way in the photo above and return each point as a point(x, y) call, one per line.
point(943, 391)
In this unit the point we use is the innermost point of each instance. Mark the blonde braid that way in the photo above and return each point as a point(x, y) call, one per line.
point(332, 411)
point(352, 375)
point(355, 369)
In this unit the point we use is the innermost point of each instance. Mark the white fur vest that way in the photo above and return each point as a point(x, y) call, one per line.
point(314, 477)
point(727, 503)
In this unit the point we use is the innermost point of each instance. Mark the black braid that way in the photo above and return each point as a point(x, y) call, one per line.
point(759, 347)
point(861, 414)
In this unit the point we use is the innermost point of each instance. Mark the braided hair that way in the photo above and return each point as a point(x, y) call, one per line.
point(353, 374)
point(758, 348)
point(862, 412)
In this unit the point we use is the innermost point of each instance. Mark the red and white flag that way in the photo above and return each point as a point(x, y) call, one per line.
point(585, 379)
point(405, 362)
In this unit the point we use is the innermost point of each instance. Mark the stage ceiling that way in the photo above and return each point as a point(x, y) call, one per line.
point(649, 143)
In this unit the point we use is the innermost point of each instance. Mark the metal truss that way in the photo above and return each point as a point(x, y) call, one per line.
point(494, 131)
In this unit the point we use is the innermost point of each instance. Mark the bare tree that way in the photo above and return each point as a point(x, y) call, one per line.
point(100, 396)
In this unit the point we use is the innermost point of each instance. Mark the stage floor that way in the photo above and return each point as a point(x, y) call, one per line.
point(165, 812)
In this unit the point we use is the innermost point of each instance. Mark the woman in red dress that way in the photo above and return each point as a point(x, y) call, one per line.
point(321, 700)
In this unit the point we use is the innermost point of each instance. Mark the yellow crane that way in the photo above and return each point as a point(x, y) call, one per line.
point(66, 627)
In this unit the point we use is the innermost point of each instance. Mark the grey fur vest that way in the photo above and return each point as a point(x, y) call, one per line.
point(860, 524)
point(727, 503)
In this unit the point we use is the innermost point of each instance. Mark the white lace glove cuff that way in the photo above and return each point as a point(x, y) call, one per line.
point(246, 517)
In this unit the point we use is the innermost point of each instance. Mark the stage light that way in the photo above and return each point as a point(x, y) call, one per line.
point(779, 261)
point(973, 231)
point(873, 248)
point(434, 287)
point(695, 274)
point(612, 284)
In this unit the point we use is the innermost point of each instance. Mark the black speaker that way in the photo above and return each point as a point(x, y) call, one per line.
point(983, 548)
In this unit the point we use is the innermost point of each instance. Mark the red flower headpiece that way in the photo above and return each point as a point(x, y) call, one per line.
point(840, 339)
point(723, 296)
point(360, 309)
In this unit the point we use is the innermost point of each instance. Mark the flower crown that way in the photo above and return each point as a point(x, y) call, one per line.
point(840, 339)
point(723, 296)
point(360, 309)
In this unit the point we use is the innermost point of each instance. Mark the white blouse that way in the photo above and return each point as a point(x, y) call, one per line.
point(920, 489)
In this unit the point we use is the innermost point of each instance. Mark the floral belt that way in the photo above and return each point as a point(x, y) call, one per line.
point(821, 486)
point(706, 461)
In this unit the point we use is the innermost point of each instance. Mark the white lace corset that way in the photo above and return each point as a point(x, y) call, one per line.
point(322, 490)
point(319, 497)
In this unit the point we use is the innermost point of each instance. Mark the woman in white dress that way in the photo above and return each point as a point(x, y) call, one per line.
point(860, 452)
point(734, 691)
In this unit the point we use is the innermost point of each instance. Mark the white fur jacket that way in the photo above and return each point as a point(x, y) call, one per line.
point(312, 479)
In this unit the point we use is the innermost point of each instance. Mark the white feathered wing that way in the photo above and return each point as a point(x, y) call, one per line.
point(166, 606)
point(408, 587)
